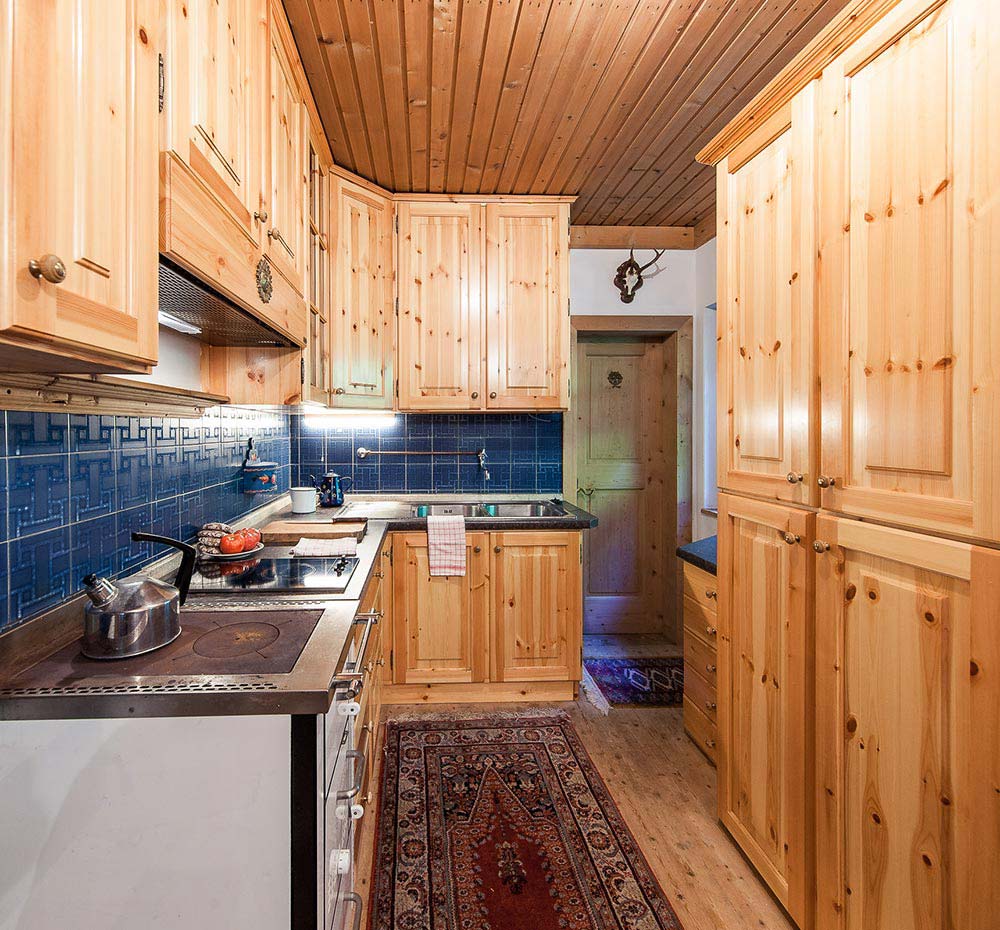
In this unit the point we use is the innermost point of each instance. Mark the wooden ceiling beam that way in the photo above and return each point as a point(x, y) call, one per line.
point(631, 237)
point(705, 230)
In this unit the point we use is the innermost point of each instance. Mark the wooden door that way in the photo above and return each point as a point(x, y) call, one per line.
point(527, 306)
point(440, 625)
point(79, 184)
point(764, 683)
point(288, 133)
point(215, 92)
point(766, 374)
point(536, 606)
point(625, 421)
point(316, 374)
point(910, 231)
point(440, 283)
point(907, 730)
point(363, 318)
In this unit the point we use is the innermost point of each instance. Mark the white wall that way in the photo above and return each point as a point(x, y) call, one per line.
point(681, 282)
point(179, 362)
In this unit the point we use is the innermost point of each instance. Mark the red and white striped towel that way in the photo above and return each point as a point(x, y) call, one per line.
point(446, 545)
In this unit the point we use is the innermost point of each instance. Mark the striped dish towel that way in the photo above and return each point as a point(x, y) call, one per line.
point(446, 545)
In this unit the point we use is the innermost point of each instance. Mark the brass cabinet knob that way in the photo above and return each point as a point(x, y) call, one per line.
point(821, 546)
point(712, 594)
point(477, 549)
point(260, 216)
point(475, 394)
point(825, 481)
point(50, 267)
point(710, 669)
point(274, 233)
point(498, 549)
point(710, 705)
point(711, 630)
point(790, 538)
point(794, 477)
point(338, 391)
point(493, 395)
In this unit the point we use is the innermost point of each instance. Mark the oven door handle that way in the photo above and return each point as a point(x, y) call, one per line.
point(349, 676)
point(359, 906)
point(361, 757)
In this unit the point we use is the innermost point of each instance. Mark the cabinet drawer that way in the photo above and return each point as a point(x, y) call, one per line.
point(701, 656)
point(700, 728)
point(700, 621)
point(701, 586)
point(699, 691)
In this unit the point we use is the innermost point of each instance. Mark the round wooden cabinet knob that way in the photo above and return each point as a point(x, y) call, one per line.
point(260, 216)
point(475, 395)
point(498, 549)
point(710, 705)
point(50, 267)
point(710, 669)
point(790, 538)
point(338, 391)
point(493, 395)
point(714, 595)
point(794, 477)
point(711, 630)
point(821, 546)
point(825, 481)
point(477, 549)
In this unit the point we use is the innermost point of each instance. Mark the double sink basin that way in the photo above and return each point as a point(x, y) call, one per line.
point(505, 510)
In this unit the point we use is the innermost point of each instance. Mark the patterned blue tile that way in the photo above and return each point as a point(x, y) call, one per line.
point(392, 477)
point(5, 616)
point(91, 484)
point(133, 432)
point(4, 527)
point(418, 476)
point(165, 514)
point(194, 513)
point(95, 548)
point(418, 443)
point(311, 448)
point(165, 432)
point(445, 477)
point(37, 433)
point(135, 476)
point(130, 556)
point(90, 432)
point(550, 479)
point(471, 478)
point(309, 471)
point(39, 493)
point(366, 477)
point(524, 476)
point(40, 573)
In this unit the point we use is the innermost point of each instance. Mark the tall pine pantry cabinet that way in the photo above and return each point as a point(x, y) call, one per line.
point(859, 524)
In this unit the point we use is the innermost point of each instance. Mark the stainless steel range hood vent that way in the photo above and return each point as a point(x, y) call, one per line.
point(203, 312)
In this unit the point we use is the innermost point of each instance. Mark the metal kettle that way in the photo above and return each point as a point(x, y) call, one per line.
point(331, 489)
point(136, 615)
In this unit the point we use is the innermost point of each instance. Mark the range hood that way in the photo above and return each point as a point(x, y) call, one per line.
point(190, 306)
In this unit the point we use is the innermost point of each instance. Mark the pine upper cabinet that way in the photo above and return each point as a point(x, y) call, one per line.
point(363, 320)
point(316, 372)
point(78, 186)
point(527, 305)
point(287, 132)
point(764, 700)
point(537, 617)
point(909, 237)
point(440, 285)
point(907, 730)
point(767, 384)
point(440, 625)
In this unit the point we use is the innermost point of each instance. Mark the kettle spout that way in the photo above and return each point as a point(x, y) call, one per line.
point(100, 590)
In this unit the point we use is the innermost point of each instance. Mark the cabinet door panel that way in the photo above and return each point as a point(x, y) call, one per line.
point(910, 178)
point(527, 322)
point(537, 606)
point(80, 182)
point(908, 756)
point(316, 383)
point(440, 624)
point(363, 369)
point(214, 98)
point(764, 692)
point(768, 396)
point(440, 306)
point(288, 132)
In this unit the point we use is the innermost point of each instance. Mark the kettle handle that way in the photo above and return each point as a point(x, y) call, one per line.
point(346, 478)
point(182, 580)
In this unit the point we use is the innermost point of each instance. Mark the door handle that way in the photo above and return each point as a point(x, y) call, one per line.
point(588, 491)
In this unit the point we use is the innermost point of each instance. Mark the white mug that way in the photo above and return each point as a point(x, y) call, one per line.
point(303, 500)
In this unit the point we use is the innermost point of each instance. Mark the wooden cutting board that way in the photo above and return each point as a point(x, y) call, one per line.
point(289, 532)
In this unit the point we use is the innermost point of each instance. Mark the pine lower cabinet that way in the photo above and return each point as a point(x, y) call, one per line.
point(764, 747)
point(907, 730)
point(510, 628)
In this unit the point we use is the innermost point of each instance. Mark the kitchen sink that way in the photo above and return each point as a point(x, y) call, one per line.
point(446, 510)
point(520, 509)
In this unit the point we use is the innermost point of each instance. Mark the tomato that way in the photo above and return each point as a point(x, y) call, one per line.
point(230, 543)
point(251, 538)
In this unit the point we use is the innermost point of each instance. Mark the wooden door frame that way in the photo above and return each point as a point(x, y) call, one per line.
point(678, 330)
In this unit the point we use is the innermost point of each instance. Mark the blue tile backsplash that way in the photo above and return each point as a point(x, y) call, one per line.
point(524, 453)
point(73, 487)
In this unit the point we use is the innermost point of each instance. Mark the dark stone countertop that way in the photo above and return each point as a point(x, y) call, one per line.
point(703, 553)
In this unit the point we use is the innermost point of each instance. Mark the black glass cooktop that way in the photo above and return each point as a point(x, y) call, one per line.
point(295, 575)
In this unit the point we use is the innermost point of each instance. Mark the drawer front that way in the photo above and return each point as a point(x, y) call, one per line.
point(700, 621)
point(700, 729)
point(701, 656)
point(699, 691)
point(335, 736)
point(701, 586)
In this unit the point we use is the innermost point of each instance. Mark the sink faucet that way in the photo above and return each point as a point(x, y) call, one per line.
point(482, 464)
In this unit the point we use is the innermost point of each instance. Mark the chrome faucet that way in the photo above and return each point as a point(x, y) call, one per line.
point(482, 464)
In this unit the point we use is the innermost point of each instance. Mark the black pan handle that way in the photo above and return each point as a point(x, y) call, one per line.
point(182, 581)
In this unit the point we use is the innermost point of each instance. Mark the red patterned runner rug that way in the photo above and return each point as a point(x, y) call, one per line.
point(503, 823)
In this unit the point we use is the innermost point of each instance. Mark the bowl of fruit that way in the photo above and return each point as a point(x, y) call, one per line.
point(221, 542)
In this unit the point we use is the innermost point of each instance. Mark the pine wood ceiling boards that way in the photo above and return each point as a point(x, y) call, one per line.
point(605, 99)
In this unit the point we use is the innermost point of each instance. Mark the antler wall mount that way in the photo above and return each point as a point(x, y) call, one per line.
point(628, 278)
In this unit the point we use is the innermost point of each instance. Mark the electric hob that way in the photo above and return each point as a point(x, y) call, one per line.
point(273, 572)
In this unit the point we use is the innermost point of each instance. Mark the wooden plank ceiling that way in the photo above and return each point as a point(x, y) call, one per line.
point(606, 99)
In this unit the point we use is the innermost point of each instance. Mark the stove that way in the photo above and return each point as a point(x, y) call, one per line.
point(275, 575)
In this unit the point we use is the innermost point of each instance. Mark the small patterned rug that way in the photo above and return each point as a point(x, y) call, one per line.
point(656, 682)
point(502, 823)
